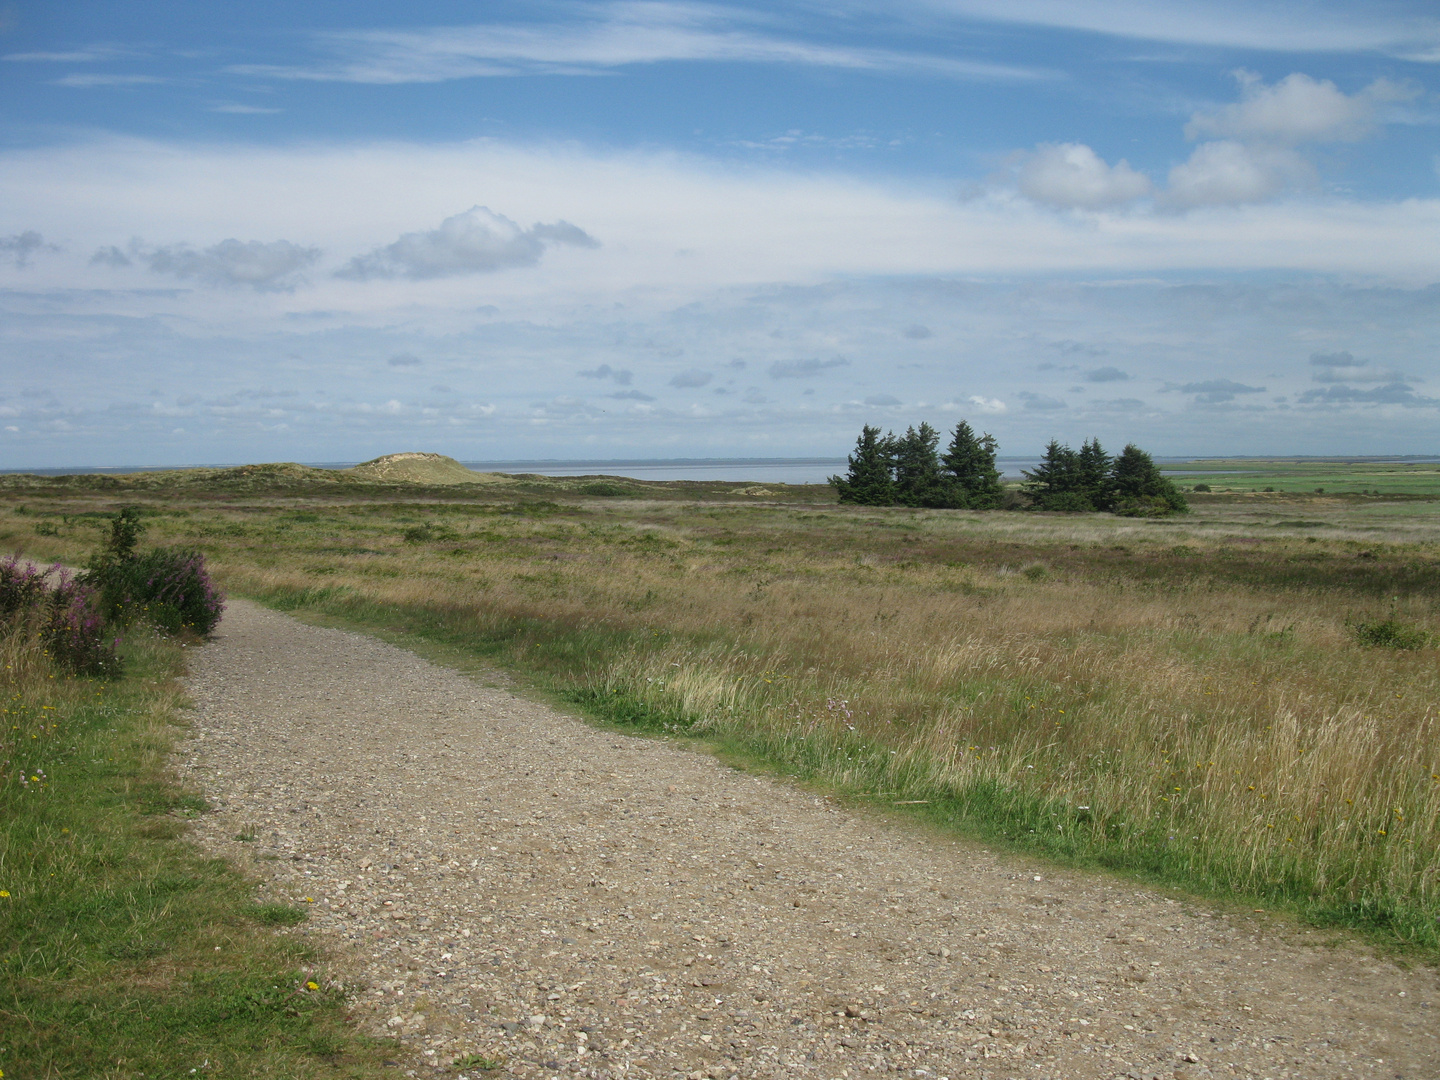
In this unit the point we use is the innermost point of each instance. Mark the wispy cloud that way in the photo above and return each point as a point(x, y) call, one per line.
point(1285, 27)
point(92, 81)
point(88, 54)
point(245, 110)
point(599, 39)
point(265, 267)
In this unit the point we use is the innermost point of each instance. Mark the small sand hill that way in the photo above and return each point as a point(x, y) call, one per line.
point(420, 468)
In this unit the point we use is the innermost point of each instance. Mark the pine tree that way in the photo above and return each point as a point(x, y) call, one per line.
point(1093, 478)
point(1141, 490)
point(870, 481)
point(1054, 484)
point(969, 470)
point(917, 468)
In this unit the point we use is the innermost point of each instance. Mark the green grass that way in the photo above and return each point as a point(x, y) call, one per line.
point(1311, 476)
point(124, 950)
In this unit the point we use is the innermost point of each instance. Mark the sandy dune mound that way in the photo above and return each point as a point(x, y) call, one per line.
point(420, 468)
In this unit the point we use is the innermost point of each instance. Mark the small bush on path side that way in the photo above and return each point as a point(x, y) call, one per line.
point(169, 588)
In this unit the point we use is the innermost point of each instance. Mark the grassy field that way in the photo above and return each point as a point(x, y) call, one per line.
point(1338, 476)
point(123, 951)
point(1190, 700)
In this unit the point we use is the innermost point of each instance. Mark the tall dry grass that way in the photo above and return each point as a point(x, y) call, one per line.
point(1237, 736)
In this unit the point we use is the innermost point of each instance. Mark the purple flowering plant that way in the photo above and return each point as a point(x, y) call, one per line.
point(62, 611)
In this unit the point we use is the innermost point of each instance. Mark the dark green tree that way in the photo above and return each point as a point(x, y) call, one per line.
point(1093, 476)
point(870, 480)
point(1055, 484)
point(969, 470)
point(917, 468)
point(1141, 490)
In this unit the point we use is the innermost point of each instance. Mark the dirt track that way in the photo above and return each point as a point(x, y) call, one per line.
point(498, 878)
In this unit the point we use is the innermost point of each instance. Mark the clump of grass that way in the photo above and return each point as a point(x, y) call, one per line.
point(1391, 634)
point(278, 915)
point(478, 1061)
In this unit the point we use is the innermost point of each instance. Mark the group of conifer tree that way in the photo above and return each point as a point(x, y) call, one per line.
point(911, 470)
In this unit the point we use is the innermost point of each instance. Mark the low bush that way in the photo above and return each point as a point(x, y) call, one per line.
point(1391, 634)
point(169, 588)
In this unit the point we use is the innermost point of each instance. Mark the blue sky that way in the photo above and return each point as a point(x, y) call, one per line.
point(325, 231)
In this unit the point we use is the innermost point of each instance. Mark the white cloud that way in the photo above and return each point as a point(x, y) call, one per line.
point(475, 242)
point(1229, 174)
point(1072, 175)
point(245, 110)
point(598, 38)
point(988, 405)
point(743, 226)
point(1298, 109)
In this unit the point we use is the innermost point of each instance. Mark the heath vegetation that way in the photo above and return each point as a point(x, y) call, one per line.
point(1240, 701)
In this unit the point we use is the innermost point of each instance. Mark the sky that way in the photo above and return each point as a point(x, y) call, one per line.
point(324, 231)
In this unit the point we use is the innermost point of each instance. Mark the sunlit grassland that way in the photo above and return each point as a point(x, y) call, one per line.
point(125, 952)
point(1185, 699)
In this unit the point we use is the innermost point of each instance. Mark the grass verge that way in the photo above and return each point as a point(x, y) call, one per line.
point(124, 950)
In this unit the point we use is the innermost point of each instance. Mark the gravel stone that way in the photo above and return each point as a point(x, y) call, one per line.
point(496, 878)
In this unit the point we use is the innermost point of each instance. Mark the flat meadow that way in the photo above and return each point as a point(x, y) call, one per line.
point(1202, 701)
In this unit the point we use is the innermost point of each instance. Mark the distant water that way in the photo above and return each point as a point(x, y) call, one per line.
point(799, 470)
point(763, 470)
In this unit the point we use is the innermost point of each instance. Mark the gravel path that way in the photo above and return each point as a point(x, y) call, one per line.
point(499, 879)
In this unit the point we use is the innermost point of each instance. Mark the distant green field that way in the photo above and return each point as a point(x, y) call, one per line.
point(1339, 476)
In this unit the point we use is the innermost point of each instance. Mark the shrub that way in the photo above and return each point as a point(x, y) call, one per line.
point(1147, 506)
point(1206, 487)
point(61, 614)
point(168, 587)
point(605, 489)
point(1391, 633)
point(1068, 502)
